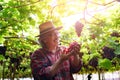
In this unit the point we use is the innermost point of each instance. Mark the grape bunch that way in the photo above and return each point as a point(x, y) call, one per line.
point(118, 0)
point(93, 62)
point(72, 47)
point(16, 61)
point(78, 28)
point(115, 34)
point(108, 53)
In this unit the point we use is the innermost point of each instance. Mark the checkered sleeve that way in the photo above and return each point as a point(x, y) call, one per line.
point(40, 65)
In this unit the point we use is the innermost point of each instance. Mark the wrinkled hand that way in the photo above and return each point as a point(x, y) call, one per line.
point(64, 56)
point(73, 49)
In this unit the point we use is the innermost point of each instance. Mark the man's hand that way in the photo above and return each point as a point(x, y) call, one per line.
point(73, 49)
point(65, 55)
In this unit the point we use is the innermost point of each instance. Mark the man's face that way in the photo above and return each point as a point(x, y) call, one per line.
point(53, 39)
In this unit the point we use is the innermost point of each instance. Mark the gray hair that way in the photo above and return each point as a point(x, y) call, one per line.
point(42, 42)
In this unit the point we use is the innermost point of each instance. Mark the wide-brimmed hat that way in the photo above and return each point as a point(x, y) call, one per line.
point(46, 27)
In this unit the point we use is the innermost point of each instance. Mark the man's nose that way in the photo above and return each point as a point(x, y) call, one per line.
point(57, 34)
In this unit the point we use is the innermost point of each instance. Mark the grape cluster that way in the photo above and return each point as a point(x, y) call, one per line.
point(72, 46)
point(93, 36)
point(3, 50)
point(108, 53)
point(93, 62)
point(78, 28)
point(16, 61)
point(115, 34)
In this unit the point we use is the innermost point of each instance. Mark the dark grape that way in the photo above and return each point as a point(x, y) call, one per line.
point(93, 36)
point(115, 34)
point(16, 61)
point(93, 62)
point(108, 53)
point(3, 50)
point(78, 28)
point(118, 0)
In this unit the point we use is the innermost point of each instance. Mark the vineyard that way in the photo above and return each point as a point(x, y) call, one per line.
point(99, 39)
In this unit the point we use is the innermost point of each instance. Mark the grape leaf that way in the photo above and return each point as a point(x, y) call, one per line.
point(117, 50)
point(105, 63)
point(2, 57)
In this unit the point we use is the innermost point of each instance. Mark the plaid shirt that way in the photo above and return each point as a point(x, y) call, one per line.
point(42, 60)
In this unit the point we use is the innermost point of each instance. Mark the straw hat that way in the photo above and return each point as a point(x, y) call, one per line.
point(46, 27)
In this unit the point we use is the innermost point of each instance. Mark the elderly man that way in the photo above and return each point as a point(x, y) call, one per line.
point(53, 61)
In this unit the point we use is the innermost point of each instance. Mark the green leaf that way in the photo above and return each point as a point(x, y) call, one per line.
point(0, 25)
point(1, 40)
point(2, 57)
point(1, 0)
point(95, 55)
point(105, 63)
point(117, 50)
point(85, 58)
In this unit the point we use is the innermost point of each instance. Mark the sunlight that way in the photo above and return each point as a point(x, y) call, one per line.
point(53, 3)
point(70, 20)
point(87, 15)
point(34, 17)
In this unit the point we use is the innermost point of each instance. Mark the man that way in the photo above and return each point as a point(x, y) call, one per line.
point(52, 61)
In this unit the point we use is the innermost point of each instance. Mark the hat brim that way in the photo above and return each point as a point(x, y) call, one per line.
point(45, 32)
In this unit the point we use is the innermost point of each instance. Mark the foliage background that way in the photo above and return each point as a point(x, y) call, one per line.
point(19, 21)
